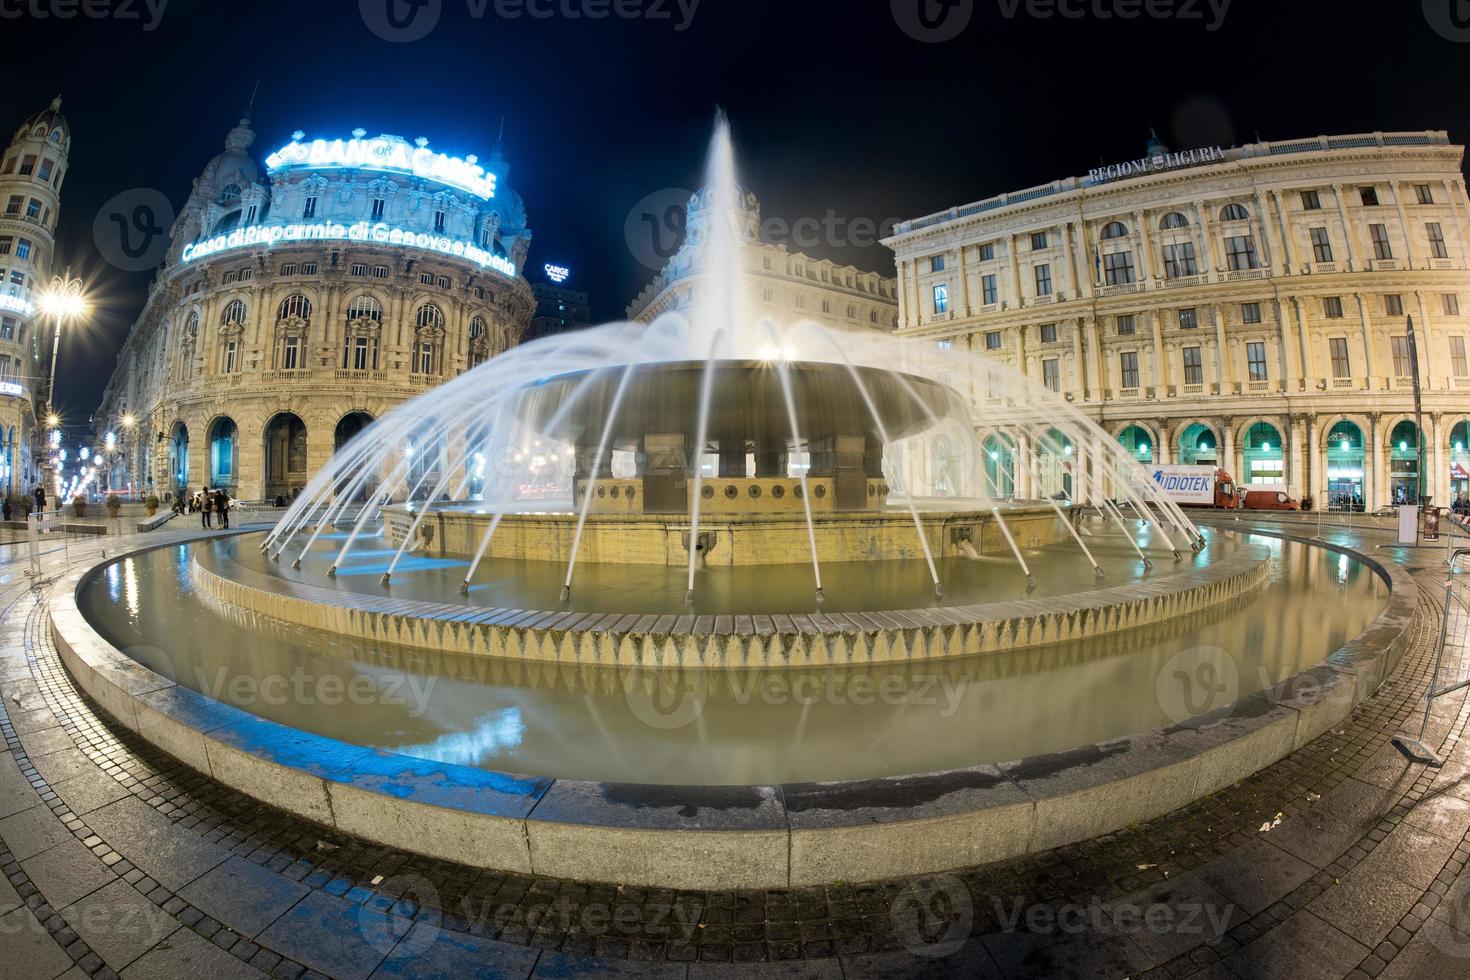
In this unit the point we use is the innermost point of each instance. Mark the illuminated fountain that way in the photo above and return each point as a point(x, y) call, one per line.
point(602, 543)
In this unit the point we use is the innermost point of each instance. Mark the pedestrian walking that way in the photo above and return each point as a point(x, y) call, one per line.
point(40, 498)
point(206, 505)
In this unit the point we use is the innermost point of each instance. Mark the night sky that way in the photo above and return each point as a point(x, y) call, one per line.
point(837, 106)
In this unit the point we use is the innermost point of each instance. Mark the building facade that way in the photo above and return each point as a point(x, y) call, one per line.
point(302, 299)
point(1261, 308)
point(559, 309)
point(32, 170)
point(784, 285)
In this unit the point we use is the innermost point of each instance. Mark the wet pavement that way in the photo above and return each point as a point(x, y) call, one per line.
point(1340, 860)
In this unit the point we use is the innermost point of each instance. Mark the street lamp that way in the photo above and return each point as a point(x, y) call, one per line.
point(64, 301)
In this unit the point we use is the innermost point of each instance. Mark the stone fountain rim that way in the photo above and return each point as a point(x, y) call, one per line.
point(734, 836)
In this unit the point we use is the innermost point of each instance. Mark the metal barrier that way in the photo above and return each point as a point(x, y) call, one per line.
point(1456, 622)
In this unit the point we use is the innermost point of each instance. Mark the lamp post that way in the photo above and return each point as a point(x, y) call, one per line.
point(63, 300)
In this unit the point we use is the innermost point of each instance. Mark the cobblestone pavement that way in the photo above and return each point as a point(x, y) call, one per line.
point(1341, 860)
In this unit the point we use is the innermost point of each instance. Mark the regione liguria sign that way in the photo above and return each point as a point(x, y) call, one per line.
point(1157, 163)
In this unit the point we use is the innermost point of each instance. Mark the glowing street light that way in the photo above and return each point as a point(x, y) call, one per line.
point(64, 301)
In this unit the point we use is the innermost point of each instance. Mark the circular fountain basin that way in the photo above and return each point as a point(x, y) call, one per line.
point(876, 612)
point(1011, 752)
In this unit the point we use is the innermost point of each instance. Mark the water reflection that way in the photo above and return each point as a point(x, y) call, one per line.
point(589, 722)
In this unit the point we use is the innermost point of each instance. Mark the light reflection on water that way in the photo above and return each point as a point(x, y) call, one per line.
point(587, 722)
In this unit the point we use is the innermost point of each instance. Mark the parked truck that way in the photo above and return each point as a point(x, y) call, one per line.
point(1196, 486)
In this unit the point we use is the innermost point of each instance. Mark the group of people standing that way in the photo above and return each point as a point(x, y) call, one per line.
point(210, 504)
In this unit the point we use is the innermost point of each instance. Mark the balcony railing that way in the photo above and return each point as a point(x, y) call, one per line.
point(1240, 275)
point(1184, 281)
point(352, 374)
point(1122, 288)
point(285, 375)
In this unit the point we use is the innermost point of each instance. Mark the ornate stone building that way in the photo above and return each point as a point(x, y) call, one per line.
point(31, 173)
point(784, 285)
point(1246, 307)
point(301, 300)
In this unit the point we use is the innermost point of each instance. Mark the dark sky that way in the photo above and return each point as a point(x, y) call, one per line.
point(836, 106)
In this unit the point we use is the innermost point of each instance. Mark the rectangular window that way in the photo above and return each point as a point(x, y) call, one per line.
point(359, 269)
point(1194, 368)
point(1051, 373)
point(1240, 253)
point(1321, 245)
point(1310, 201)
point(232, 353)
point(1188, 318)
point(440, 217)
point(1127, 325)
point(1451, 303)
point(1393, 304)
point(380, 272)
point(9, 166)
point(426, 278)
point(13, 205)
point(936, 263)
point(1423, 193)
point(1457, 357)
point(1043, 280)
point(7, 328)
point(426, 359)
point(1381, 248)
point(379, 207)
point(1128, 363)
point(1332, 307)
point(1402, 367)
point(359, 353)
point(1250, 312)
point(250, 214)
point(289, 269)
point(6, 244)
point(1369, 196)
point(992, 340)
point(47, 165)
point(987, 252)
point(232, 276)
point(310, 210)
point(989, 295)
point(1048, 333)
point(1038, 240)
point(941, 297)
point(1338, 348)
point(1179, 260)
point(291, 354)
point(444, 282)
point(1255, 361)
point(33, 210)
point(1437, 247)
point(247, 274)
point(1119, 268)
point(28, 166)
point(308, 268)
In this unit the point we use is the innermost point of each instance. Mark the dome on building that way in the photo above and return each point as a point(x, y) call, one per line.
point(1156, 146)
point(235, 168)
point(49, 122)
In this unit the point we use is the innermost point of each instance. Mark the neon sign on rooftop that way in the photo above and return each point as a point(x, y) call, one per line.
point(391, 154)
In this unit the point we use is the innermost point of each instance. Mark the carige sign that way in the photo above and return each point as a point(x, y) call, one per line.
point(361, 231)
point(392, 154)
point(1155, 164)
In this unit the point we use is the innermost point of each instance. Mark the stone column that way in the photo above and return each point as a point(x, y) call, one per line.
point(1164, 451)
point(1284, 333)
point(666, 471)
point(1161, 358)
point(1223, 373)
point(1015, 260)
point(1370, 359)
point(1316, 477)
point(1267, 248)
point(1436, 481)
point(1296, 483)
point(1227, 448)
point(1347, 226)
point(1145, 249)
point(1422, 341)
point(1021, 349)
point(1398, 202)
point(1372, 458)
point(1309, 367)
point(1021, 468)
point(1287, 254)
point(1078, 355)
point(964, 284)
point(903, 295)
point(841, 458)
point(1207, 238)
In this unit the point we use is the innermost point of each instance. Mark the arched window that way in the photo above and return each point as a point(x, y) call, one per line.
point(191, 327)
point(294, 306)
point(429, 316)
point(234, 313)
point(1174, 220)
point(1234, 212)
point(1115, 229)
point(365, 308)
point(231, 192)
point(477, 328)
